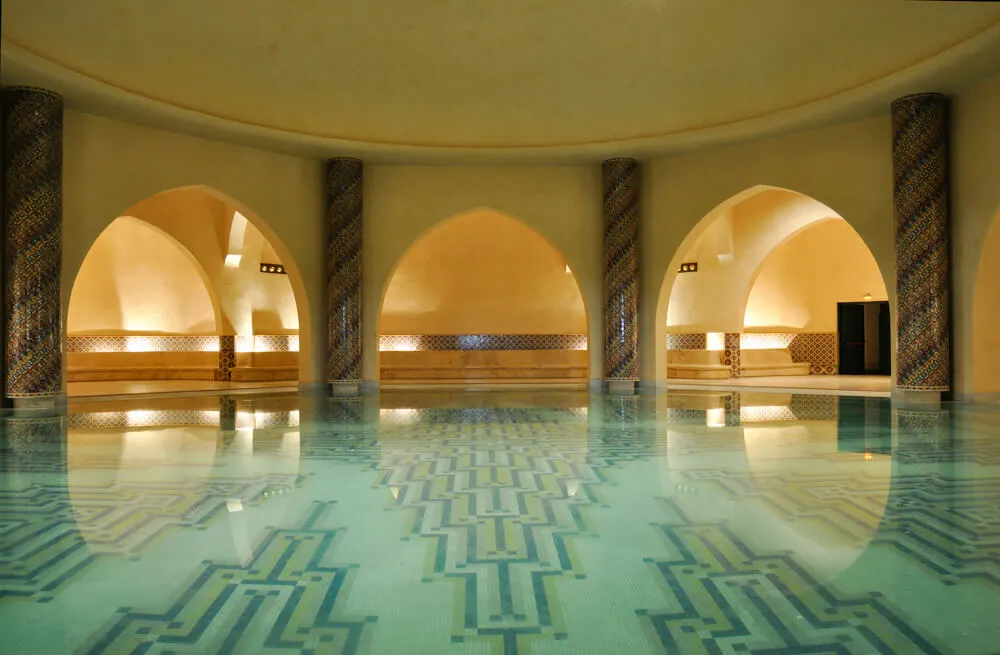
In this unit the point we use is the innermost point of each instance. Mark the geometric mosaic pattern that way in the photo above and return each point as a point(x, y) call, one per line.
point(142, 419)
point(502, 510)
point(307, 616)
point(41, 543)
point(528, 520)
point(443, 342)
point(820, 349)
point(727, 597)
point(731, 354)
point(957, 542)
point(344, 216)
point(140, 343)
point(920, 203)
point(227, 358)
point(32, 163)
point(621, 183)
point(687, 341)
point(276, 343)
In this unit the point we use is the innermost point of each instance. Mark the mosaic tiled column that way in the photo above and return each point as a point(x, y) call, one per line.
point(621, 271)
point(343, 272)
point(227, 358)
point(920, 198)
point(33, 132)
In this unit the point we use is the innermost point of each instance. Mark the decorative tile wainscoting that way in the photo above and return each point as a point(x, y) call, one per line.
point(440, 342)
point(820, 349)
point(687, 341)
point(141, 343)
point(224, 358)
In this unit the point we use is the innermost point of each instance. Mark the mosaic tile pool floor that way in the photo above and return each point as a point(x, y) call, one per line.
point(507, 522)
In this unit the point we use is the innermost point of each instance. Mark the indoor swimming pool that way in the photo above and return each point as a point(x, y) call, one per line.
point(501, 522)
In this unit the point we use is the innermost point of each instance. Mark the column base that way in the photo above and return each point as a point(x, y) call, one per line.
point(309, 388)
point(346, 389)
point(621, 386)
point(39, 404)
point(925, 399)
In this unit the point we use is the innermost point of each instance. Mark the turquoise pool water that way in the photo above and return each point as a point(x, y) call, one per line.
point(501, 523)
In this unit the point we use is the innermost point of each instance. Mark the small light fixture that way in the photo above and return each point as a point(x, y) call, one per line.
point(689, 267)
point(868, 296)
point(868, 456)
point(277, 269)
point(568, 270)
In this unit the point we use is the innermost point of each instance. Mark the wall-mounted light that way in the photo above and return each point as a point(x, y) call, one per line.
point(274, 269)
point(568, 269)
point(868, 295)
point(689, 267)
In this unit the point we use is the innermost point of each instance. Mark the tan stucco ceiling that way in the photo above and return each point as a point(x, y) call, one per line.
point(593, 75)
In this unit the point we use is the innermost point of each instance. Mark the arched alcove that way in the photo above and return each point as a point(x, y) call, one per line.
point(483, 296)
point(768, 260)
point(986, 315)
point(253, 285)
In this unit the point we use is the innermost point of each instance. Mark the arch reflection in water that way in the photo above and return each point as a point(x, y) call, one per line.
point(560, 521)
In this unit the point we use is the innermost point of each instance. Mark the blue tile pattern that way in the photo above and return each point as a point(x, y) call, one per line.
point(503, 523)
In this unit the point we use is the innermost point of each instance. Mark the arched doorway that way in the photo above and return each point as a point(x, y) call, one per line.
point(769, 285)
point(184, 286)
point(482, 298)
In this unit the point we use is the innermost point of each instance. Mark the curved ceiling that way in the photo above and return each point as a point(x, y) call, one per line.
point(512, 75)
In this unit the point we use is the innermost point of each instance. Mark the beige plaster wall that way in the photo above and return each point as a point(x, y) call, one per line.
point(110, 166)
point(137, 279)
point(975, 204)
point(482, 273)
point(986, 316)
point(801, 281)
point(561, 203)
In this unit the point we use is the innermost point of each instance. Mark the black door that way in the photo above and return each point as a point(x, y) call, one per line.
point(851, 331)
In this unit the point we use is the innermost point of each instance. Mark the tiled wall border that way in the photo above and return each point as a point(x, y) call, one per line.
point(687, 341)
point(160, 343)
point(400, 342)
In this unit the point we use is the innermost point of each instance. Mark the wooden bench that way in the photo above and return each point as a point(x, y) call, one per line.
point(696, 365)
point(770, 361)
point(100, 367)
point(484, 365)
point(266, 367)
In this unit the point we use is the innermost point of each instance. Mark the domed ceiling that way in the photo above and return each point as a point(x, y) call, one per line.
point(526, 75)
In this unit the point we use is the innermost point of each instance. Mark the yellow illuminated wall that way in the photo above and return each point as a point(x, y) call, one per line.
point(483, 273)
point(801, 281)
point(730, 246)
point(138, 276)
point(136, 279)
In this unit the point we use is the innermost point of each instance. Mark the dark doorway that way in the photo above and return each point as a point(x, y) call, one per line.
point(863, 330)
